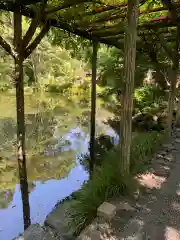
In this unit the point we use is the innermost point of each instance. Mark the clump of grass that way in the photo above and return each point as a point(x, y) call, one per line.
point(106, 184)
point(107, 181)
point(142, 148)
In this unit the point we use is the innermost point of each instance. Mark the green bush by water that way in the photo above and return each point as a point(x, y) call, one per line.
point(108, 183)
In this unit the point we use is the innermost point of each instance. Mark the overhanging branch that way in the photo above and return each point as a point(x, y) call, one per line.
point(37, 40)
point(34, 24)
point(31, 30)
point(7, 47)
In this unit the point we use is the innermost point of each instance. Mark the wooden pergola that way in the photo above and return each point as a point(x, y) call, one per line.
point(102, 21)
point(96, 20)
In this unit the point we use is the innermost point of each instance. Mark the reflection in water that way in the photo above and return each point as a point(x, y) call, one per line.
point(42, 200)
point(54, 142)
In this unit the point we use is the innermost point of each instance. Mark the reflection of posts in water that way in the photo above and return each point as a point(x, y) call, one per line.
point(93, 109)
point(20, 118)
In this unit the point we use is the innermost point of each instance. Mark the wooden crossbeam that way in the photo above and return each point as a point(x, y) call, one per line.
point(104, 34)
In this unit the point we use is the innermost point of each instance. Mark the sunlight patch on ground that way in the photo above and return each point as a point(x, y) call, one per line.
point(171, 234)
point(150, 180)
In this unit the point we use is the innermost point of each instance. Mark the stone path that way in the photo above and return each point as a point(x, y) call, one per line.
point(156, 214)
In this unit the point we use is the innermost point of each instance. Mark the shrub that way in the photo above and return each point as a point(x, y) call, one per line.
point(147, 96)
point(142, 148)
point(55, 88)
point(4, 88)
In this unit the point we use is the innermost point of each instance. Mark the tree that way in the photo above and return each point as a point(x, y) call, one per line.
point(128, 89)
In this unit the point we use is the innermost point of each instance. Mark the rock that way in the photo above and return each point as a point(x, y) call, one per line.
point(106, 210)
point(133, 230)
point(168, 146)
point(58, 220)
point(125, 206)
point(161, 171)
point(177, 140)
point(148, 190)
point(36, 232)
point(137, 194)
point(169, 158)
point(95, 235)
point(162, 153)
point(160, 161)
point(86, 233)
point(103, 227)
point(159, 157)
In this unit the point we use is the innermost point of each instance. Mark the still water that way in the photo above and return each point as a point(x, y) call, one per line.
point(57, 132)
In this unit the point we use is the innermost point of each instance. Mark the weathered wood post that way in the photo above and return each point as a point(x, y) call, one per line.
point(93, 108)
point(128, 90)
point(173, 82)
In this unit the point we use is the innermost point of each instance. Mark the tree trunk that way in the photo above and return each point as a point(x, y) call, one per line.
point(20, 118)
point(93, 110)
point(127, 100)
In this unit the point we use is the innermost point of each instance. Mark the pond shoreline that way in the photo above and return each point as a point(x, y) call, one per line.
point(55, 225)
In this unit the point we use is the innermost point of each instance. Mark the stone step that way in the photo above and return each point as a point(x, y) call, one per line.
point(58, 221)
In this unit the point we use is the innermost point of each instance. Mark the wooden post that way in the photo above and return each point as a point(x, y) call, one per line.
point(172, 93)
point(173, 82)
point(127, 99)
point(20, 118)
point(93, 110)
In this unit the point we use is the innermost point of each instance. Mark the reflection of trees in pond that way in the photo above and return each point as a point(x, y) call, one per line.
point(41, 120)
point(8, 180)
point(5, 198)
point(39, 128)
point(42, 114)
point(45, 168)
point(38, 168)
point(103, 144)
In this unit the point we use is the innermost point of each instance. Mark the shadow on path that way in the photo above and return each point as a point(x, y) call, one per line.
point(156, 214)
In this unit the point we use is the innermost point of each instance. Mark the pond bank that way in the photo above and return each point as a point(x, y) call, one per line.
point(55, 226)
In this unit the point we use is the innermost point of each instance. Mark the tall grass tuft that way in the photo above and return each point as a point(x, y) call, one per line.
point(143, 147)
point(106, 184)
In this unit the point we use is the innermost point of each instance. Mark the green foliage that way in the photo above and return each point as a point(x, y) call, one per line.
point(55, 88)
point(110, 64)
point(148, 95)
point(49, 64)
